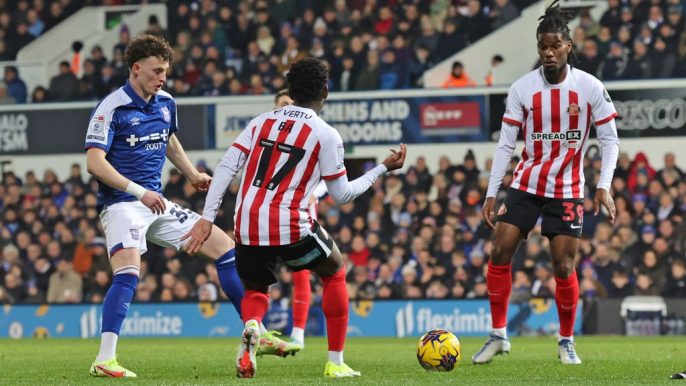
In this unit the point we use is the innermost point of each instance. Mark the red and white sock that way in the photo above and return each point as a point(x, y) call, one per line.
point(566, 299)
point(499, 284)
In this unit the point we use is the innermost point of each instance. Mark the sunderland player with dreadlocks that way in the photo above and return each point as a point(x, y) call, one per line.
point(554, 107)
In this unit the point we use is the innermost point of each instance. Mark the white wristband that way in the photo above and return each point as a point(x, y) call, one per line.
point(136, 190)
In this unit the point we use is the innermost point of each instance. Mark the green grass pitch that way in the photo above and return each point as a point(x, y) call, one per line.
point(382, 361)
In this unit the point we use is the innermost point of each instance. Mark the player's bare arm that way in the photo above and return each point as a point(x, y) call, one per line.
point(177, 156)
point(99, 167)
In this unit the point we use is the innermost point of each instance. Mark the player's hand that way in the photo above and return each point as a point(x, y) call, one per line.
point(397, 159)
point(202, 182)
point(197, 236)
point(154, 202)
point(602, 197)
point(487, 212)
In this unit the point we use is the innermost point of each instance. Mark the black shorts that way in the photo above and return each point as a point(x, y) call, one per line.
point(560, 216)
point(257, 263)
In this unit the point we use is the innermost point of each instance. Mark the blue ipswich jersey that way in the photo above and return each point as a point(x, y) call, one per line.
point(134, 134)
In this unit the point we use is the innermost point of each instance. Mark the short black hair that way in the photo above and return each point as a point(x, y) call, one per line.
point(457, 64)
point(146, 46)
point(307, 79)
point(555, 21)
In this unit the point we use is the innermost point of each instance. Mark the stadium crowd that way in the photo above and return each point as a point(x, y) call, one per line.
point(227, 47)
point(413, 235)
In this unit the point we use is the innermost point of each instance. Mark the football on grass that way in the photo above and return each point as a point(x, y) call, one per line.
point(438, 350)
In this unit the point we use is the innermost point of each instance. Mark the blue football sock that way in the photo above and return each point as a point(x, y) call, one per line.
point(117, 301)
point(229, 280)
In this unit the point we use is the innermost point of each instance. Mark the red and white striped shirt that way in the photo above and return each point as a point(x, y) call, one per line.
point(288, 151)
point(555, 120)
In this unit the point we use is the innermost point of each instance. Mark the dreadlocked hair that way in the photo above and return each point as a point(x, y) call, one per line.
point(555, 21)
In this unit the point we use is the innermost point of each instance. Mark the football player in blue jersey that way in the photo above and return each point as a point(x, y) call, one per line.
point(130, 135)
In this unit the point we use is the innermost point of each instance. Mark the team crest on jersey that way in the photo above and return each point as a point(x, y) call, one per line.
point(165, 112)
point(573, 109)
point(341, 155)
point(134, 234)
point(97, 123)
point(606, 96)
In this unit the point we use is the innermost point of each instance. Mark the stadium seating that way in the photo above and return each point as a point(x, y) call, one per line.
point(416, 235)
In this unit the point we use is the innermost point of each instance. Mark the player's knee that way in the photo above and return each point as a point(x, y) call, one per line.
point(501, 254)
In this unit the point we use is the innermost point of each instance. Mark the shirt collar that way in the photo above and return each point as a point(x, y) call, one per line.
point(137, 100)
point(303, 109)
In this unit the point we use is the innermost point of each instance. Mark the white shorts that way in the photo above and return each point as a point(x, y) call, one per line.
point(130, 224)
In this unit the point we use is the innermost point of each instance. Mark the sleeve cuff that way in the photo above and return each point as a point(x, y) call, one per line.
point(91, 145)
point(334, 176)
point(207, 217)
point(606, 120)
point(241, 148)
point(512, 121)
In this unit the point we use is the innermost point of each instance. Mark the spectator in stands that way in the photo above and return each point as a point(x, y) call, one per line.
point(39, 95)
point(369, 77)
point(491, 77)
point(291, 53)
point(458, 78)
point(4, 98)
point(590, 59)
point(64, 86)
point(644, 285)
point(36, 25)
point(154, 28)
point(420, 63)
point(664, 58)
point(94, 87)
point(676, 282)
point(450, 41)
point(671, 169)
point(65, 285)
point(612, 18)
point(615, 62)
point(478, 24)
point(20, 39)
point(640, 165)
point(392, 75)
point(429, 37)
point(502, 13)
point(620, 285)
point(640, 64)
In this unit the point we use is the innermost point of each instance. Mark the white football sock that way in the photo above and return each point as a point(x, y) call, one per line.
point(336, 357)
point(571, 338)
point(263, 329)
point(501, 332)
point(108, 346)
point(298, 334)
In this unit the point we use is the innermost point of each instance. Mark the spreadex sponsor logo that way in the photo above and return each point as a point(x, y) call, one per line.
point(410, 321)
point(572, 135)
point(13, 132)
point(158, 324)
